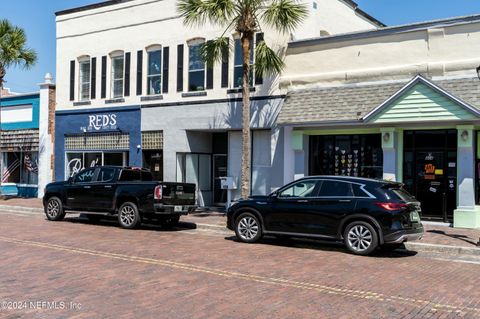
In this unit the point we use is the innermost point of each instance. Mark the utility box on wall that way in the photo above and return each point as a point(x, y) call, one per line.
point(227, 183)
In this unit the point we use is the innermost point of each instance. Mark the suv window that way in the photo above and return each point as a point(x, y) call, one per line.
point(358, 191)
point(85, 176)
point(106, 175)
point(336, 189)
point(300, 189)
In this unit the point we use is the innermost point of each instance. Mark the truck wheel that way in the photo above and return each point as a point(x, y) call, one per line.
point(170, 222)
point(128, 215)
point(54, 209)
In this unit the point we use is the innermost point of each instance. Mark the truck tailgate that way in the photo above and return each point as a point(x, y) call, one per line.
point(178, 193)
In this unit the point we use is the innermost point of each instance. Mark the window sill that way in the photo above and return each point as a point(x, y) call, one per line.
point(193, 94)
point(82, 103)
point(239, 90)
point(117, 100)
point(151, 97)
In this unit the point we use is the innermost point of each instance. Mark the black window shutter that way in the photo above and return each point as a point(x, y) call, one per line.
point(180, 68)
point(166, 60)
point(127, 74)
point(259, 38)
point(139, 71)
point(225, 69)
point(209, 76)
point(103, 89)
point(72, 80)
point(93, 81)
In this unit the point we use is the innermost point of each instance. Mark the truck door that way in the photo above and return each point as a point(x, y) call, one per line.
point(79, 192)
point(104, 189)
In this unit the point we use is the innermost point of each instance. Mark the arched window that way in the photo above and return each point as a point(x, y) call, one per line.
point(84, 74)
point(117, 74)
point(154, 70)
point(196, 65)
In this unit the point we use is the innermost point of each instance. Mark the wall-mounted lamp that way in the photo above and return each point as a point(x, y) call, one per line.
point(386, 137)
point(464, 135)
point(478, 72)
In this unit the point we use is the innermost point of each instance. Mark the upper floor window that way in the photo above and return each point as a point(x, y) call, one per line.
point(84, 79)
point(118, 69)
point(238, 64)
point(154, 74)
point(196, 67)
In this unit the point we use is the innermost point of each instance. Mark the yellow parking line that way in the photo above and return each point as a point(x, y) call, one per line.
point(261, 279)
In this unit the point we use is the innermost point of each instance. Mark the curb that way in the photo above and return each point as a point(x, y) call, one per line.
point(445, 249)
point(21, 208)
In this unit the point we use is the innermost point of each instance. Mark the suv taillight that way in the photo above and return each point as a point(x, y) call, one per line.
point(157, 194)
point(391, 206)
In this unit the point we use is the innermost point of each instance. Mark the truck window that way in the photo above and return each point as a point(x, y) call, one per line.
point(106, 175)
point(128, 175)
point(147, 177)
point(85, 177)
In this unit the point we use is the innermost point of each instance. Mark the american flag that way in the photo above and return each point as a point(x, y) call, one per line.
point(30, 165)
point(10, 169)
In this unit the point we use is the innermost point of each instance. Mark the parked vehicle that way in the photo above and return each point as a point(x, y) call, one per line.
point(127, 192)
point(364, 213)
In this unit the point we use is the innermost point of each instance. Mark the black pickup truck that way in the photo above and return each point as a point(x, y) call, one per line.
point(130, 193)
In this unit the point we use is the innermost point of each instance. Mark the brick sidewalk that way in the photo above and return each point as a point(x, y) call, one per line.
point(434, 234)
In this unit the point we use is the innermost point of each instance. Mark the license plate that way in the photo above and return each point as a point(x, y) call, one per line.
point(178, 208)
point(415, 216)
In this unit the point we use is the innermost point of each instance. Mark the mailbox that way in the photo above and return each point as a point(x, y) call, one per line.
point(227, 183)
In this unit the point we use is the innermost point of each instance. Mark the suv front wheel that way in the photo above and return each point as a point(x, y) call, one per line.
point(248, 228)
point(360, 238)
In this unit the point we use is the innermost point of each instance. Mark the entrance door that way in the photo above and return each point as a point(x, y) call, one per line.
point(219, 170)
point(430, 172)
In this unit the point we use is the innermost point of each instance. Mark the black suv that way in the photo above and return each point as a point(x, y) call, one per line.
point(364, 213)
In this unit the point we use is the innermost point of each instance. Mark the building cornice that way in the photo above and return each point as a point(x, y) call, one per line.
point(91, 7)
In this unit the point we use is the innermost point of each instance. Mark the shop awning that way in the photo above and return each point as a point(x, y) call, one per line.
point(351, 103)
point(19, 141)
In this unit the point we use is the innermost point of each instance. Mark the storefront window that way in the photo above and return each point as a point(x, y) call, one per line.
point(153, 160)
point(76, 161)
point(20, 167)
point(195, 168)
point(347, 155)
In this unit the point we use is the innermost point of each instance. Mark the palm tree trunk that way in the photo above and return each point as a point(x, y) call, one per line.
point(246, 41)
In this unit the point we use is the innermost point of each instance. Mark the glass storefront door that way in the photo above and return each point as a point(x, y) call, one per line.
point(219, 170)
point(430, 171)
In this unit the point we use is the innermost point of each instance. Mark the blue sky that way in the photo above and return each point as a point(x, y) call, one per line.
point(38, 20)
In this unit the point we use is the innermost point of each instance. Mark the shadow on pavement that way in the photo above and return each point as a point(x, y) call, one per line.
point(111, 221)
point(455, 236)
point(307, 243)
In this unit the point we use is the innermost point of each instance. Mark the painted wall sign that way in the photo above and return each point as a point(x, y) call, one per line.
point(101, 122)
point(429, 169)
point(429, 157)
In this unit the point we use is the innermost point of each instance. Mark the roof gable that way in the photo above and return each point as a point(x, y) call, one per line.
point(421, 100)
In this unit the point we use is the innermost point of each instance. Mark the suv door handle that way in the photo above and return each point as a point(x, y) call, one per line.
point(345, 200)
point(87, 186)
point(302, 201)
point(108, 186)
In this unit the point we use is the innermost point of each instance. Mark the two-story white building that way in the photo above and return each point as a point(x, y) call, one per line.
point(133, 90)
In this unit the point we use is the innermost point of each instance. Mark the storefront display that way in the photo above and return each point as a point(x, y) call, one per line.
point(97, 137)
point(346, 155)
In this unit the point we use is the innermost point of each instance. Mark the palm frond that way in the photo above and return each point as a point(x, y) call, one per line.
point(284, 15)
point(193, 12)
point(13, 50)
point(198, 12)
point(213, 50)
point(267, 61)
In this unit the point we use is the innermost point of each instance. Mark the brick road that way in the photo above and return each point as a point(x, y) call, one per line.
point(187, 273)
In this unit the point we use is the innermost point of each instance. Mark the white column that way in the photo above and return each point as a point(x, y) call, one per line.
point(45, 150)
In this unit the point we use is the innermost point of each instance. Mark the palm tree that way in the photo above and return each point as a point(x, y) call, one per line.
point(13, 49)
point(244, 17)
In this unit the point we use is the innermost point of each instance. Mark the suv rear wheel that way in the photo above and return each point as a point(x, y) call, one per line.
point(360, 238)
point(248, 228)
point(128, 215)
